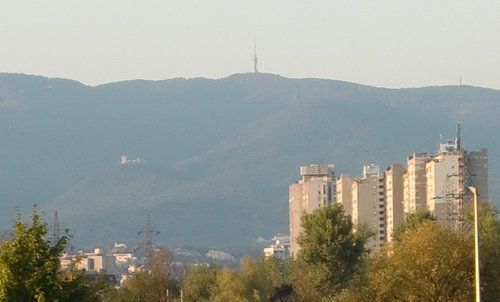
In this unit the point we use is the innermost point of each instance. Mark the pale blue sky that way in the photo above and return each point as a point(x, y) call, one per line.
point(389, 43)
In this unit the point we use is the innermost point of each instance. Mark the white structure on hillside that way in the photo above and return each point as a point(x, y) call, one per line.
point(220, 255)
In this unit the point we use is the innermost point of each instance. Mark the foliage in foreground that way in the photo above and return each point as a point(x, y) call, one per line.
point(331, 253)
point(29, 265)
point(426, 262)
point(30, 268)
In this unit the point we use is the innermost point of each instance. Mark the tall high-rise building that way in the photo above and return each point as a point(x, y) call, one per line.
point(445, 179)
point(449, 174)
point(343, 192)
point(368, 204)
point(379, 201)
point(476, 163)
point(414, 183)
point(315, 189)
point(394, 212)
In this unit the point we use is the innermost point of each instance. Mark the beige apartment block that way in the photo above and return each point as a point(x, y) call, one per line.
point(393, 199)
point(414, 183)
point(446, 184)
point(315, 189)
point(368, 204)
point(343, 192)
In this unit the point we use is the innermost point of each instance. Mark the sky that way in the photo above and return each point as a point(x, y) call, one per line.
point(385, 43)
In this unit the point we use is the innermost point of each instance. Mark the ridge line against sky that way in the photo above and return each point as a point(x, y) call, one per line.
point(385, 43)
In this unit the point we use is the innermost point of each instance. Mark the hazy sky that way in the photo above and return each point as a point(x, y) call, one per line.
point(382, 43)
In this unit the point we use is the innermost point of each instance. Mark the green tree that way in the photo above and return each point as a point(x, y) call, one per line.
point(278, 282)
point(412, 221)
point(229, 287)
point(489, 250)
point(29, 264)
point(428, 263)
point(154, 285)
point(199, 283)
point(331, 253)
point(264, 278)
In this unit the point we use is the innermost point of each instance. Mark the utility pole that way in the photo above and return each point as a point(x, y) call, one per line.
point(147, 243)
point(476, 245)
point(56, 230)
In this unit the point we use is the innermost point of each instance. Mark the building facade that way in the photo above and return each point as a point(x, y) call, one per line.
point(368, 205)
point(414, 183)
point(315, 189)
point(378, 201)
point(445, 183)
point(476, 163)
point(449, 173)
point(393, 199)
point(343, 192)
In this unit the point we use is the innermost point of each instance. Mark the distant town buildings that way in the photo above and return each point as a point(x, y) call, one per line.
point(120, 262)
point(91, 262)
point(279, 248)
point(379, 200)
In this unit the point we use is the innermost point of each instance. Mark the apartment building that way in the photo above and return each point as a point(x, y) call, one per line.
point(314, 189)
point(394, 209)
point(414, 183)
point(343, 192)
point(379, 201)
point(368, 204)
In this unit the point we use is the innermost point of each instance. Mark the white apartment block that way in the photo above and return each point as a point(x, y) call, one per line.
point(449, 174)
point(343, 192)
point(379, 200)
point(414, 183)
point(315, 189)
point(394, 212)
point(368, 204)
point(445, 185)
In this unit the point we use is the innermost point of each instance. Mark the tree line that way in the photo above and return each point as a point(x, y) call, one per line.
point(424, 262)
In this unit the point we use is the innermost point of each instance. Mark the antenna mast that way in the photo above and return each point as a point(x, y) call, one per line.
point(255, 59)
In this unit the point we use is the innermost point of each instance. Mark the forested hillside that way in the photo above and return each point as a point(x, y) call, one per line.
point(217, 156)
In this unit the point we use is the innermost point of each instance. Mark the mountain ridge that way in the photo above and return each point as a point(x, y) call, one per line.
point(218, 154)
